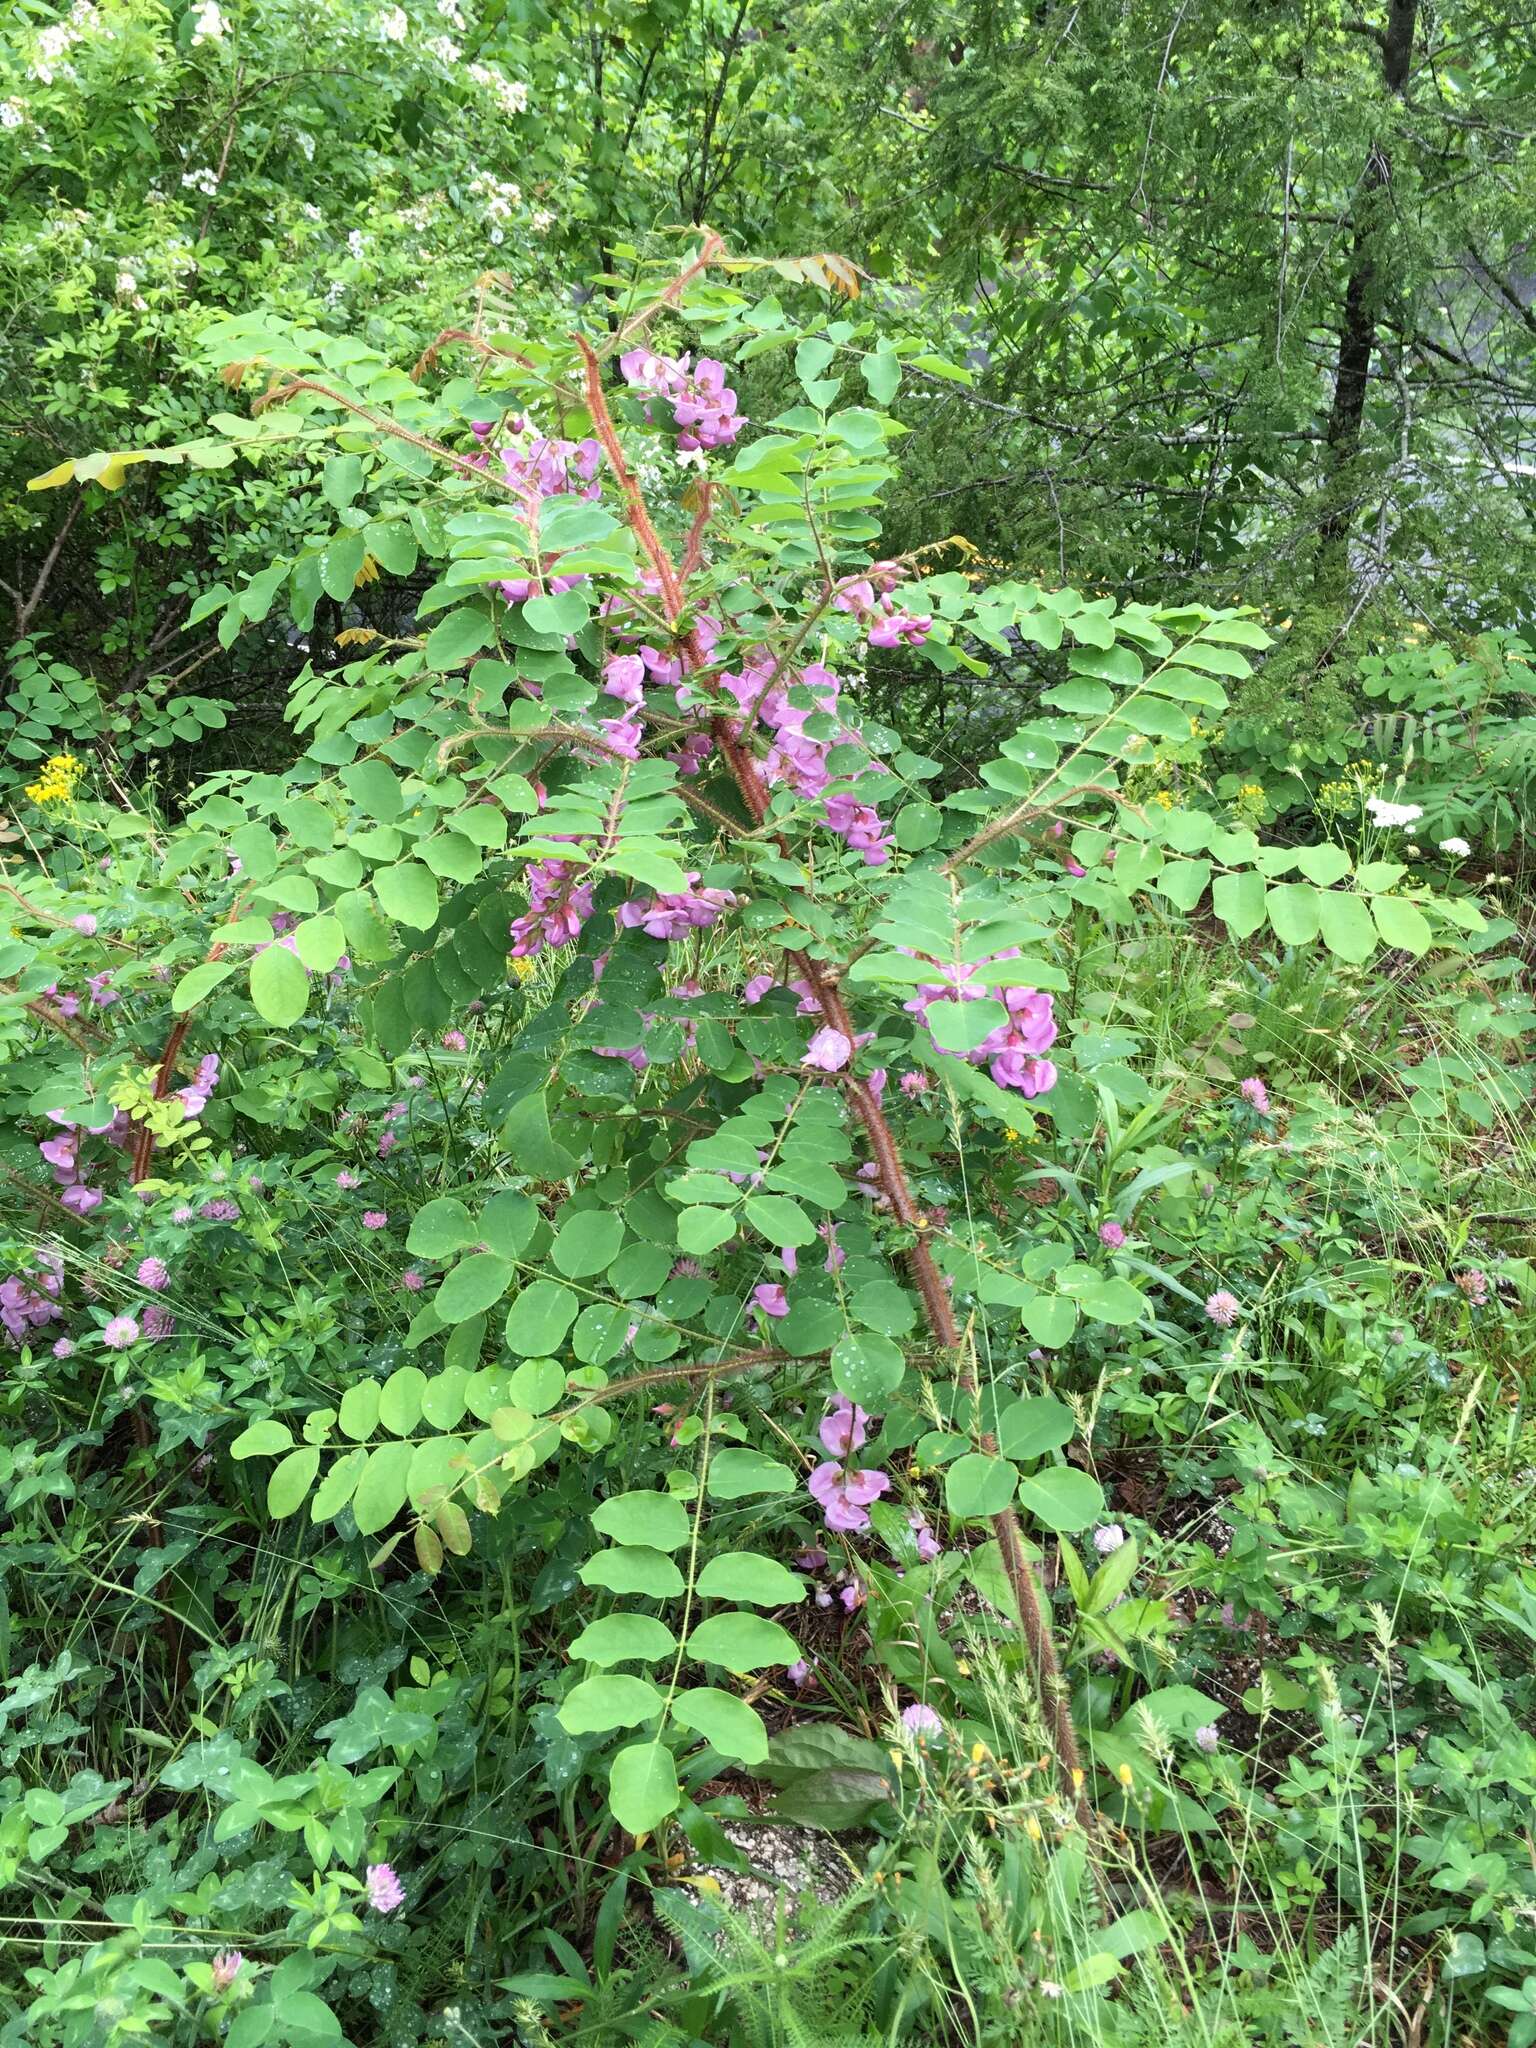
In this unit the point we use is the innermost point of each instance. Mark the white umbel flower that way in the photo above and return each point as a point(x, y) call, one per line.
point(1389, 816)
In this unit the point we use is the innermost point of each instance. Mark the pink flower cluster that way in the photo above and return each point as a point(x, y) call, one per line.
point(537, 466)
point(886, 623)
point(28, 1300)
point(689, 758)
point(1012, 1052)
point(798, 762)
point(99, 992)
point(674, 916)
point(559, 904)
point(63, 1155)
point(703, 405)
point(845, 1492)
point(194, 1097)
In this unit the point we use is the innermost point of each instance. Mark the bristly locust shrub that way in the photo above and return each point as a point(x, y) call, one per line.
point(736, 971)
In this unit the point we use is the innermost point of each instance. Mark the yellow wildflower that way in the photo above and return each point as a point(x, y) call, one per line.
point(56, 784)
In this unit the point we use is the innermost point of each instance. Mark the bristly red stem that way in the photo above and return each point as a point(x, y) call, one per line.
point(634, 501)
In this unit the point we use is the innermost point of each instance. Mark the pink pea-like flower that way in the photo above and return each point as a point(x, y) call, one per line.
point(120, 1333)
point(1223, 1308)
point(845, 1430)
point(830, 1050)
point(385, 1891)
point(844, 1495)
point(375, 1219)
point(227, 1965)
point(798, 1673)
point(771, 1299)
point(855, 597)
point(1112, 1234)
point(757, 988)
point(928, 1545)
point(154, 1274)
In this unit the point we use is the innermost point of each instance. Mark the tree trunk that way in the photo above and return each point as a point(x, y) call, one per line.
point(1357, 330)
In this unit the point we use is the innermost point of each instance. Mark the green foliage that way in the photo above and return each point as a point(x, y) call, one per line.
point(559, 1305)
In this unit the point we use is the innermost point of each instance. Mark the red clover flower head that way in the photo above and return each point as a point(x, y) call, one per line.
point(385, 1891)
point(921, 1721)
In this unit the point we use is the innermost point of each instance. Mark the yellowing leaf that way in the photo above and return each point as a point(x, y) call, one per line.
point(113, 473)
point(50, 480)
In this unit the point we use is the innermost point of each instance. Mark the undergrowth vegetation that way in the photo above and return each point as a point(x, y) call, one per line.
point(761, 1283)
